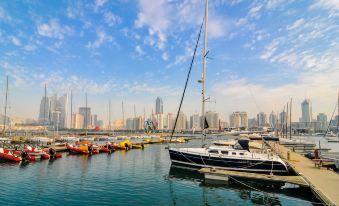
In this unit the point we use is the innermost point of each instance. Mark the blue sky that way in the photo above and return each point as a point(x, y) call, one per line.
point(262, 53)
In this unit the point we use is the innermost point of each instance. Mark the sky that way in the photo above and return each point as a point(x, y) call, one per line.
point(261, 54)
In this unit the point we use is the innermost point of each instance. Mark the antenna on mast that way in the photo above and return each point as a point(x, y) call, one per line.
point(5, 117)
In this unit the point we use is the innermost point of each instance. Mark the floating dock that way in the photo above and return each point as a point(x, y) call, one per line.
point(324, 183)
point(211, 174)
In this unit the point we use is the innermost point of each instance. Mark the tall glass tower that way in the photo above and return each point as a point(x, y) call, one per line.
point(306, 111)
point(159, 109)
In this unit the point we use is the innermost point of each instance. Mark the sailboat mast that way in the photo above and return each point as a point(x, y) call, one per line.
point(5, 117)
point(204, 73)
point(123, 115)
point(45, 102)
point(71, 110)
point(338, 117)
point(109, 114)
point(86, 125)
point(286, 119)
point(291, 119)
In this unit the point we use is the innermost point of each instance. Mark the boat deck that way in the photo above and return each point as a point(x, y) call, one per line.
point(324, 183)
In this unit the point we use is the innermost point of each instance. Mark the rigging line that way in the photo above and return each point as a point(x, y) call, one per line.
point(189, 72)
point(328, 127)
point(291, 198)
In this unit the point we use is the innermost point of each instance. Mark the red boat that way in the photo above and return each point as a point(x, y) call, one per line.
point(8, 155)
point(53, 154)
point(108, 148)
point(34, 152)
point(78, 150)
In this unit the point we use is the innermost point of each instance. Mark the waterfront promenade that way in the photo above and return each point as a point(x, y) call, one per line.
point(323, 183)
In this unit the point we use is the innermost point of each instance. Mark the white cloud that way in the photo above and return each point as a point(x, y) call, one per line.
point(156, 15)
point(112, 19)
point(98, 4)
point(326, 4)
point(165, 56)
point(4, 15)
point(254, 11)
point(270, 49)
point(30, 47)
point(139, 50)
point(296, 24)
point(102, 37)
point(15, 41)
point(53, 29)
point(179, 59)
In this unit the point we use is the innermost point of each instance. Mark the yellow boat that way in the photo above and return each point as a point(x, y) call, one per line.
point(126, 143)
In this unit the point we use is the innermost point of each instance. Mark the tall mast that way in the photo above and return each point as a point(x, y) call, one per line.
point(123, 114)
point(86, 115)
point(109, 114)
point(204, 73)
point(291, 119)
point(338, 117)
point(6, 97)
point(286, 119)
point(45, 102)
point(71, 110)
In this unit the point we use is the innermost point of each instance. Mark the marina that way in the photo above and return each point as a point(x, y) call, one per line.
point(106, 178)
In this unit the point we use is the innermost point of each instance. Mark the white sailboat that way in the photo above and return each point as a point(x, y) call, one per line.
point(236, 157)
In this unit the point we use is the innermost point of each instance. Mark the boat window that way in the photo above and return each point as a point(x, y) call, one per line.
point(214, 151)
point(241, 153)
point(233, 153)
point(224, 152)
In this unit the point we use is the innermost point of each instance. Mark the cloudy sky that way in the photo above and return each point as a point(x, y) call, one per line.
point(261, 54)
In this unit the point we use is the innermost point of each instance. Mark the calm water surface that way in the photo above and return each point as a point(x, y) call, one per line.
point(136, 177)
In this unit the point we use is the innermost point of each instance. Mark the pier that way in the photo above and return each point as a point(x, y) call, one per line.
point(323, 182)
point(211, 174)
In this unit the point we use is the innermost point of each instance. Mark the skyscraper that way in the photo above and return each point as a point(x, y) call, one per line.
point(306, 111)
point(322, 119)
point(44, 110)
point(195, 121)
point(86, 113)
point(261, 119)
point(238, 119)
point(273, 119)
point(181, 123)
point(159, 106)
point(212, 120)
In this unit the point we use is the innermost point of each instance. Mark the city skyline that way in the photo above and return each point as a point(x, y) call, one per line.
point(255, 65)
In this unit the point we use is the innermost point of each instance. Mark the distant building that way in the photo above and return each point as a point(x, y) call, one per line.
point(322, 120)
point(77, 121)
point(239, 119)
point(181, 123)
point(94, 120)
point(44, 111)
point(86, 113)
point(159, 109)
point(252, 123)
point(261, 119)
point(273, 120)
point(195, 122)
point(212, 120)
point(139, 123)
point(118, 124)
point(306, 111)
point(130, 123)
point(159, 120)
point(168, 121)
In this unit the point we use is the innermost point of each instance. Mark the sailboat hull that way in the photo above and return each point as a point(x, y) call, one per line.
point(199, 161)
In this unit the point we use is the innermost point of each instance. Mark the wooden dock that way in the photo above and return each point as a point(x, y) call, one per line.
point(323, 183)
point(211, 174)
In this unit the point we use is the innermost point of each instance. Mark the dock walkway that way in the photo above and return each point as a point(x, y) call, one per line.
point(220, 174)
point(324, 183)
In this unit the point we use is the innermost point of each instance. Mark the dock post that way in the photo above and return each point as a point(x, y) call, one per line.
point(288, 155)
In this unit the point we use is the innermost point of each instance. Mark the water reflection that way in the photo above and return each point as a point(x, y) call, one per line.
point(249, 192)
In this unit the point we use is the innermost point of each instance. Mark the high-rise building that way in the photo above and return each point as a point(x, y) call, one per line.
point(94, 120)
point(322, 120)
point(261, 119)
point(181, 123)
point(58, 110)
point(139, 123)
point(195, 122)
point(306, 111)
point(130, 123)
point(159, 120)
point(86, 113)
point(252, 123)
point(159, 109)
point(44, 110)
point(168, 121)
point(273, 119)
point(77, 121)
point(212, 120)
point(238, 119)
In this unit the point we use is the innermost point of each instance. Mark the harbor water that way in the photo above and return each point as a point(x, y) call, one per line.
point(135, 177)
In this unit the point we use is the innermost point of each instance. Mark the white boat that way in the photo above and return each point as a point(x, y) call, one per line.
point(41, 139)
point(237, 157)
